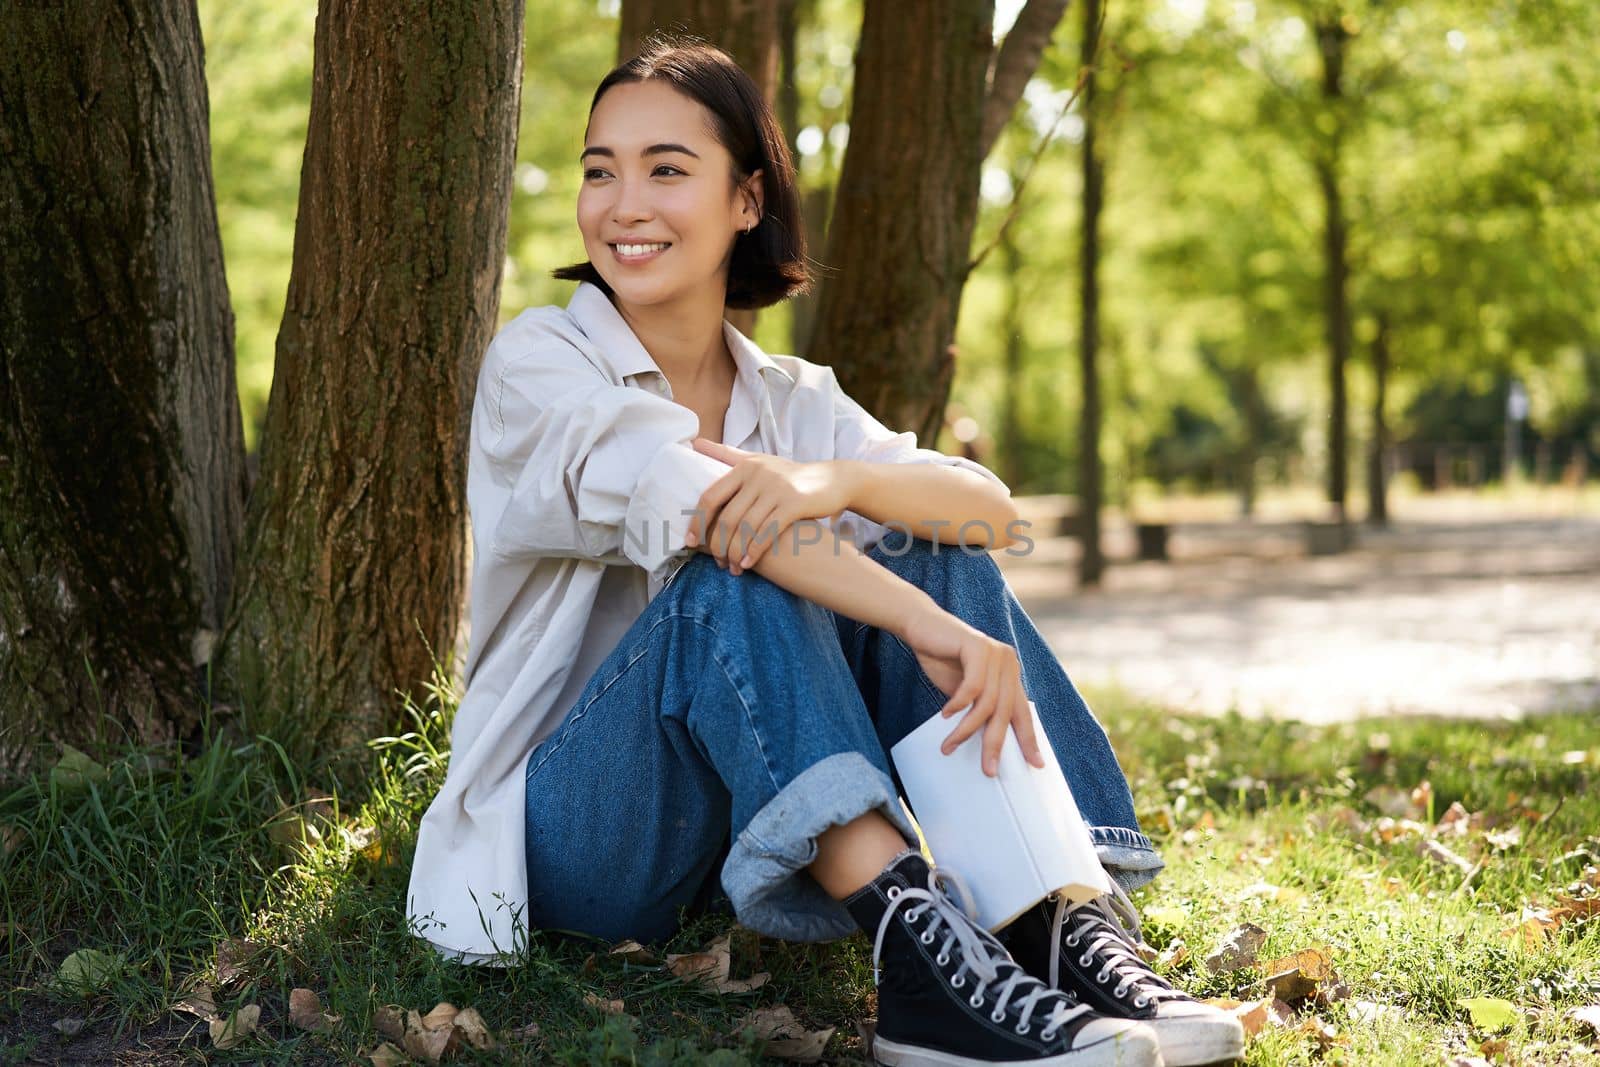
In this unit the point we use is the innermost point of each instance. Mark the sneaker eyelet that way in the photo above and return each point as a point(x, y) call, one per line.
point(1046, 1034)
point(1120, 992)
point(926, 938)
point(1085, 959)
point(1141, 1002)
point(959, 981)
point(1072, 941)
point(976, 1000)
point(997, 1016)
point(1021, 1029)
point(894, 892)
point(941, 959)
point(1103, 977)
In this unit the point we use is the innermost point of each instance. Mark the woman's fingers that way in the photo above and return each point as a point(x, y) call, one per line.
point(709, 508)
point(982, 704)
point(763, 534)
point(1026, 736)
point(994, 732)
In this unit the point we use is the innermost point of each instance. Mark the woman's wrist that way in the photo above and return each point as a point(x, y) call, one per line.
point(919, 605)
point(858, 477)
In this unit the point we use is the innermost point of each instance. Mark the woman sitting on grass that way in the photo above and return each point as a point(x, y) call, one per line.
point(722, 715)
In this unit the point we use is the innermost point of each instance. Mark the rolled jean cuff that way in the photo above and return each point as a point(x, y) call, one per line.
point(1127, 855)
point(764, 875)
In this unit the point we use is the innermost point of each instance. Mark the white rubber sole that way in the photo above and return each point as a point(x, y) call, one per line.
point(1133, 1049)
point(1203, 1046)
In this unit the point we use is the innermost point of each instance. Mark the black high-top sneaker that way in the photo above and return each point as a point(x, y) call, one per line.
point(1088, 952)
point(949, 995)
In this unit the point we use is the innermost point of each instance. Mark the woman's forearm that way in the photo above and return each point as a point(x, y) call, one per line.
point(814, 562)
point(933, 501)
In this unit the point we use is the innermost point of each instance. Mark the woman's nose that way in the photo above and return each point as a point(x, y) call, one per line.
point(632, 202)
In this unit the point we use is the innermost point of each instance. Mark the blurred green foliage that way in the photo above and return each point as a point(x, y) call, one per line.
point(1466, 140)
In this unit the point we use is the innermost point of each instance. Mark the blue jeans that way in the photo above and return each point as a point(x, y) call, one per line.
point(735, 721)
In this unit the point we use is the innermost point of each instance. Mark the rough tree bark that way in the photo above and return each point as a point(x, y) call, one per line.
point(121, 449)
point(926, 79)
point(745, 29)
point(355, 541)
point(1092, 563)
point(904, 210)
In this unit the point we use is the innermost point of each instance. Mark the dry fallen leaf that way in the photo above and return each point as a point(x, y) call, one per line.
point(390, 1022)
point(783, 1034)
point(199, 1001)
point(610, 1007)
point(1238, 949)
point(634, 952)
point(71, 1026)
point(305, 1011)
point(429, 1046)
point(469, 1024)
point(443, 1014)
point(710, 968)
point(237, 957)
point(386, 1055)
point(1296, 976)
point(231, 1031)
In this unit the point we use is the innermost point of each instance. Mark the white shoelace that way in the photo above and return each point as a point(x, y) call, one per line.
point(1107, 922)
point(982, 955)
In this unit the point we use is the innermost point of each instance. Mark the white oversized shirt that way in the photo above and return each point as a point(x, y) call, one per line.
point(579, 473)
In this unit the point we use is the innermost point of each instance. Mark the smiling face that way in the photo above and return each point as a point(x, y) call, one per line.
point(654, 174)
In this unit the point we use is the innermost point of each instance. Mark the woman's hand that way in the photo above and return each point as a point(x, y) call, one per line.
point(741, 514)
point(974, 668)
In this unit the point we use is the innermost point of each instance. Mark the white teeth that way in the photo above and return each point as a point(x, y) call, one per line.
point(638, 250)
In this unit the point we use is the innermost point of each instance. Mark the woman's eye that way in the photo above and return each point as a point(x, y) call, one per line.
point(595, 172)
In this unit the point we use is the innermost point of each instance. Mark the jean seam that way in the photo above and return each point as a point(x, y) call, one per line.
point(716, 658)
point(566, 728)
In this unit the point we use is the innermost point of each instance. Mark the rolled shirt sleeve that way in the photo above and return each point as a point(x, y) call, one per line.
point(858, 435)
point(585, 467)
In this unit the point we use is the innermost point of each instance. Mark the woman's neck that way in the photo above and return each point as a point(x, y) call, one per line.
point(685, 340)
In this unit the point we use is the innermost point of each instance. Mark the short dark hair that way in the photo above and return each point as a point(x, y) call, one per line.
point(769, 263)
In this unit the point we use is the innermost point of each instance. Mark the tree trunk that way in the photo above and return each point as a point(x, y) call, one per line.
point(904, 210)
point(1377, 468)
point(356, 546)
point(1331, 40)
point(1092, 563)
point(814, 201)
point(745, 29)
point(1012, 321)
point(121, 448)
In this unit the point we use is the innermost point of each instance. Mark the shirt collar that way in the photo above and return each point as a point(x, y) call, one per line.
point(603, 324)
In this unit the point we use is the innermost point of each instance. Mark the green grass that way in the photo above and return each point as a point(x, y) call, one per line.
point(163, 858)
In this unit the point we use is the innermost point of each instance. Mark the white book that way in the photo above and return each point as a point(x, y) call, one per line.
point(1014, 838)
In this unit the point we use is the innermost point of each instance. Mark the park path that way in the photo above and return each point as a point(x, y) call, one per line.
point(1447, 613)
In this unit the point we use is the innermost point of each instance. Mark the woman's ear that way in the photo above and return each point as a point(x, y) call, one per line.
point(754, 193)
